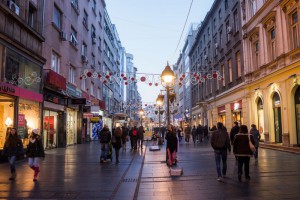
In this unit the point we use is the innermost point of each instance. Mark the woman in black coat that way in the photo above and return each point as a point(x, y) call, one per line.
point(117, 144)
point(172, 143)
point(13, 147)
point(242, 151)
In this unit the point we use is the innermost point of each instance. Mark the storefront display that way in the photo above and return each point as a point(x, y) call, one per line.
point(222, 114)
point(260, 113)
point(6, 116)
point(71, 127)
point(236, 109)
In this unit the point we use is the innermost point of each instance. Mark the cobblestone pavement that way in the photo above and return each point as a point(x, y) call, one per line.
point(75, 173)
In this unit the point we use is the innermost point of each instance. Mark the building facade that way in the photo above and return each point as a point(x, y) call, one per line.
point(21, 67)
point(272, 66)
point(216, 59)
point(73, 47)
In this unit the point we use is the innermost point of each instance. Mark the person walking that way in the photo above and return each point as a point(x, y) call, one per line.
point(105, 137)
point(256, 136)
point(199, 133)
point(194, 133)
point(125, 133)
point(13, 147)
point(187, 134)
point(172, 146)
point(141, 132)
point(134, 137)
point(118, 142)
point(35, 151)
point(234, 130)
point(242, 151)
point(220, 143)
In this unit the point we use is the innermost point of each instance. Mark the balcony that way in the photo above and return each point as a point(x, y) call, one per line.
point(54, 80)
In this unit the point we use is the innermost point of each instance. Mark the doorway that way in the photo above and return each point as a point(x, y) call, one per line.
point(297, 108)
point(277, 118)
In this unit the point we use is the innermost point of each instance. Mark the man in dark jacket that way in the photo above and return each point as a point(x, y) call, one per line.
point(105, 137)
point(235, 130)
point(141, 132)
point(220, 143)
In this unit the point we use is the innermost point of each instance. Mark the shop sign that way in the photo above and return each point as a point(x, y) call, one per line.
point(94, 119)
point(21, 120)
point(7, 88)
point(87, 115)
point(221, 109)
point(236, 105)
point(73, 91)
point(78, 101)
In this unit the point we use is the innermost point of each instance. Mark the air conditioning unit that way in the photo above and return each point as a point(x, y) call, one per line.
point(216, 45)
point(229, 29)
point(94, 40)
point(63, 36)
point(13, 7)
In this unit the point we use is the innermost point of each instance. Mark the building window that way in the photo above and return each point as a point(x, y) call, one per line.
point(32, 16)
point(92, 88)
point(228, 31)
point(93, 32)
point(94, 5)
point(217, 82)
point(238, 64)
point(93, 62)
point(215, 23)
point(220, 14)
point(254, 6)
point(57, 17)
point(272, 44)
point(99, 43)
point(208, 32)
point(73, 37)
point(75, 3)
point(98, 93)
point(294, 29)
point(85, 18)
point(83, 84)
point(84, 49)
point(72, 74)
point(223, 75)
point(255, 53)
point(236, 21)
point(226, 4)
point(55, 62)
point(230, 70)
point(220, 39)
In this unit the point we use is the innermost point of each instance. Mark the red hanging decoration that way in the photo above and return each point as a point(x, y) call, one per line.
point(195, 74)
point(132, 78)
point(214, 75)
point(183, 75)
point(150, 84)
point(124, 78)
point(110, 73)
point(126, 83)
point(104, 81)
point(99, 76)
point(156, 84)
point(205, 76)
point(143, 79)
point(122, 75)
point(89, 74)
point(107, 76)
point(181, 79)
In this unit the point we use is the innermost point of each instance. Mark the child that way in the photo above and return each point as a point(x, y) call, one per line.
point(35, 151)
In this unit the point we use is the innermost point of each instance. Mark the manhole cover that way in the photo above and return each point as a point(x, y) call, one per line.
point(66, 195)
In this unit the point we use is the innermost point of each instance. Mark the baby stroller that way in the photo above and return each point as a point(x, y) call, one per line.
point(109, 153)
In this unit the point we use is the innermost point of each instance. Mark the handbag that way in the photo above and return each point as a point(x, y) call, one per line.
point(252, 147)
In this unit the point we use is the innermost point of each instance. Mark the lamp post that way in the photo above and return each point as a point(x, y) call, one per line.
point(168, 80)
point(141, 112)
point(159, 102)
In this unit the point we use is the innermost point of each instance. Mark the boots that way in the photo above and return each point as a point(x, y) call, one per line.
point(13, 176)
point(36, 172)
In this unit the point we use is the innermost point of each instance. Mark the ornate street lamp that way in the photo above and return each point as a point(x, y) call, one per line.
point(159, 102)
point(168, 80)
point(141, 112)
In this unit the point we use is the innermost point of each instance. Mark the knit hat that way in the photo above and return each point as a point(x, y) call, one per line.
point(36, 131)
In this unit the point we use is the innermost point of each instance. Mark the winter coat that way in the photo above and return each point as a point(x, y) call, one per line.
point(220, 140)
point(105, 136)
point(141, 132)
point(172, 141)
point(35, 148)
point(235, 130)
point(256, 136)
point(118, 143)
point(241, 145)
point(13, 146)
point(188, 130)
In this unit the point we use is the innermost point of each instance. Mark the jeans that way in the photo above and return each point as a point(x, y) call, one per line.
point(104, 151)
point(12, 164)
point(221, 154)
point(243, 160)
point(34, 161)
point(256, 153)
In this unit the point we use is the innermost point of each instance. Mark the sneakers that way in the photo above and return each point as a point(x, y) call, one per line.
point(220, 179)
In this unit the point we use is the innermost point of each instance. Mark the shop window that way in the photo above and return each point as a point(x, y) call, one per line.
point(6, 117)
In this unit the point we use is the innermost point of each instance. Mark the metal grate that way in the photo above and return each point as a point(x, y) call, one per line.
point(66, 195)
point(130, 180)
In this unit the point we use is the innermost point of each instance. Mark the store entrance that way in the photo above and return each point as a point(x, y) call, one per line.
point(277, 118)
point(6, 116)
point(297, 107)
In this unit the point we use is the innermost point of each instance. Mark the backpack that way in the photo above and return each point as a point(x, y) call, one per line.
point(134, 132)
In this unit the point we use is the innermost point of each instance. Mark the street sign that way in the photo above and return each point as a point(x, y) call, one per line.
point(95, 119)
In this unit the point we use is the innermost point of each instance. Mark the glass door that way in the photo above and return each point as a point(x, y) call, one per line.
point(297, 106)
point(277, 118)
